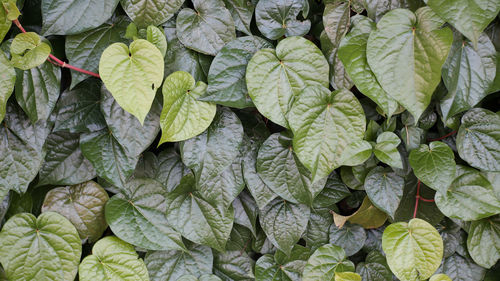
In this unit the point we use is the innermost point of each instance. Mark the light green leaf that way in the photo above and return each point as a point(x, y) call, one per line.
point(114, 260)
point(323, 263)
point(7, 82)
point(171, 265)
point(351, 237)
point(468, 74)
point(196, 219)
point(226, 77)
point(64, 162)
point(347, 276)
point(478, 139)
point(410, 39)
point(276, 18)
point(275, 77)
point(132, 75)
point(5, 22)
point(280, 169)
point(65, 17)
point(142, 205)
point(386, 149)
point(352, 53)
point(470, 17)
point(150, 12)
point(207, 28)
point(483, 241)
point(83, 205)
point(44, 248)
point(434, 165)
point(440, 277)
point(385, 189)
point(356, 153)
point(284, 222)
point(183, 115)
point(323, 125)
point(157, 37)
point(28, 51)
point(414, 250)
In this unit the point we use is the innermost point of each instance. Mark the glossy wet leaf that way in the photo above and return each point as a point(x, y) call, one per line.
point(142, 65)
point(324, 123)
point(483, 241)
point(83, 205)
point(275, 77)
point(157, 37)
point(143, 202)
point(460, 268)
point(350, 237)
point(414, 250)
point(207, 28)
point(113, 259)
point(276, 18)
point(324, 262)
point(183, 115)
point(410, 39)
point(347, 276)
point(242, 12)
point(56, 256)
point(282, 267)
point(28, 51)
point(434, 165)
point(386, 149)
point(7, 82)
point(150, 12)
point(385, 189)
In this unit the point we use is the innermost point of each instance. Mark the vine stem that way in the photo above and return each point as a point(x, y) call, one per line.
point(443, 137)
point(57, 61)
point(418, 198)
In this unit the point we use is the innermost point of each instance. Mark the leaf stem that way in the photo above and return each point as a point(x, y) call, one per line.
point(443, 137)
point(57, 61)
point(418, 198)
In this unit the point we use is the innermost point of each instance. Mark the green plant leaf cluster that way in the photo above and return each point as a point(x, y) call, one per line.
point(239, 140)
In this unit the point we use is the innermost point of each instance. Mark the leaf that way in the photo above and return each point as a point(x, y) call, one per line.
point(64, 162)
point(111, 160)
point(323, 263)
point(206, 277)
point(350, 237)
point(235, 265)
point(142, 67)
point(37, 90)
point(385, 189)
point(142, 204)
point(284, 222)
point(5, 22)
point(278, 166)
point(469, 197)
point(352, 53)
point(356, 153)
point(333, 192)
point(414, 250)
point(374, 271)
point(468, 74)
point(483, 241)
point(478, 139)
point(242, 13)
point(7, 82)
point(78, 110)
point(55, 256)
point(347, 276)
point(368, 216)
point(183, 115)
point(460, 268)
point(83, 205)
point(28, 51)
point(468, 16)
point(126, 129)
point(434, 165)
point(113, 259)
point(150, 12)
point(276, 19)
point(323, 125)
point(170, 169)
point(376, 9)
point(207, 28)
point(386, 149)
point(338, 76)
point(226, 77)
point(281, 266)
point(171, 265)
point(410, 39)
point(157, 37)
point(440, 277)
point(84, 50)
point(246, 211)
point(336, 19)
point(195, 218)
point(275, 77)
point(65, 17)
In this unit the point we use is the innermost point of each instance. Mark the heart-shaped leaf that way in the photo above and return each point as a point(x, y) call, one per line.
point(323, 263)
point(150, 12)
point(385, 189)
point(142, 66)
point(386, 149)
point(323, 124)
point(409, 39)
point(351, 237)
point(414, 250)
point(83, 205)
point(282, 266)
point(183, 115)
point(242, 12)
point(483, 241)
point(142, 201)
point(113, 259)
point(275, 77)
point(276, 18)
point(55, 256)
point(28, 51)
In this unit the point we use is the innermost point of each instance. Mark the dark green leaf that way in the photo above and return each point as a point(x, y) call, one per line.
point(276, 18)
point(7, 82)
point(242, 12)
point(324, 262)
point(483, 241)
point(386, 149)
point(460, 268)
point(385, 189)
point(351, 237)
point(150, 12)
